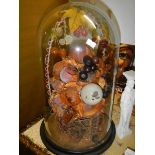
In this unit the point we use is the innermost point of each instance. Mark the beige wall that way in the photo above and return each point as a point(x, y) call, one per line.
point(124, 10)
point(32, 97)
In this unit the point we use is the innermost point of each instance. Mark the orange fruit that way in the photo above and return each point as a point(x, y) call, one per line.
point(62, 53)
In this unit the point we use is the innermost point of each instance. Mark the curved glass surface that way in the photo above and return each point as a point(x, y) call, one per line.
point(79, 42)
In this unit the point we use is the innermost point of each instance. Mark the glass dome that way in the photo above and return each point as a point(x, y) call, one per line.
point(79, 42)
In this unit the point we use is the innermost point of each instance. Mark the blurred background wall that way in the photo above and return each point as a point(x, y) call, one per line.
point(124, 10)
point(32, 97)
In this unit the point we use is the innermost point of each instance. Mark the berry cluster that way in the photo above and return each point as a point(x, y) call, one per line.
point(81, 31)
point(89, 66)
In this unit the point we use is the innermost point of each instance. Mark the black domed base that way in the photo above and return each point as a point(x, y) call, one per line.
point(94, 151)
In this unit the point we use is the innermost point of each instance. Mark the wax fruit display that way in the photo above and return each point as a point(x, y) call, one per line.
point(91, 94)
point(83, 75)
point(80, 52)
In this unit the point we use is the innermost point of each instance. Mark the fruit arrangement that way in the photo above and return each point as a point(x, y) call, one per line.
point(81, 89)
point(78, 67)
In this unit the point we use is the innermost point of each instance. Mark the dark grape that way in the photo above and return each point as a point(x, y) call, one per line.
point(109, 80)
point(108, 88)
point(95, 60)
point(87, 60)
point(106, 75)
point(83, 75)
point(87, 69)
point(105, 93)
point(94, 67)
